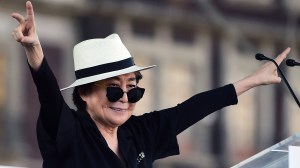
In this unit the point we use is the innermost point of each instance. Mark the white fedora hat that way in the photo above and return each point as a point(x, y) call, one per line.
point(98, 59)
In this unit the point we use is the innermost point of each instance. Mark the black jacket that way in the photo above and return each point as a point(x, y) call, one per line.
point(69, 138)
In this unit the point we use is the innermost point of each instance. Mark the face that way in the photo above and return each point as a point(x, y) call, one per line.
point(104, 112)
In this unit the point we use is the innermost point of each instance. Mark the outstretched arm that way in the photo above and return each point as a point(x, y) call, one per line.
point(25, 33)
point(265, 75)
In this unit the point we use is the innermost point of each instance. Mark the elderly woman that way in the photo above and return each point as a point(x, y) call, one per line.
point(102, 132)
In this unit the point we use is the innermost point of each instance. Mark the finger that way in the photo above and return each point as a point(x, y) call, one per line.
point(17, 35)
point(282, 56)
point(18, 17)
point(28, 41)
point(29, 9)
point(276, 79)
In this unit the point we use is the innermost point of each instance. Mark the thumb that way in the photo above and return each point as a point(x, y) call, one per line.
point(29, 41)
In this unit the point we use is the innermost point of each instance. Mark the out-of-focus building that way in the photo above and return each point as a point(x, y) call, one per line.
point(197, 44)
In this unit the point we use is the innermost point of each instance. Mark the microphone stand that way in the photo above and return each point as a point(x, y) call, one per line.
point(261, 57)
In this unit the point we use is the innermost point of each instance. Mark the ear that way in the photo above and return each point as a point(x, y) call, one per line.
point(83, 95)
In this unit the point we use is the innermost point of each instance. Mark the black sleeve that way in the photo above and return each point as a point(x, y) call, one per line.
point(160, 128)
point(199, 106)
point(50, 98)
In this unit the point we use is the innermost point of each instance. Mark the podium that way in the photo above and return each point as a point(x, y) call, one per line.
point(276, 156)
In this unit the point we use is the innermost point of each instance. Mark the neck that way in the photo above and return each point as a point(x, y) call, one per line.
point(108, 132)
point(111, 137)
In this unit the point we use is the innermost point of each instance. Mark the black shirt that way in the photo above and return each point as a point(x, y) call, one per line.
point(69, 138)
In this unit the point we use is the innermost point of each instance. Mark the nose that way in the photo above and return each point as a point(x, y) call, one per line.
point(124, 98)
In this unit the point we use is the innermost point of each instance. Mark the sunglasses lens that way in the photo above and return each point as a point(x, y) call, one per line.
point(135, 94)
point(113, 94)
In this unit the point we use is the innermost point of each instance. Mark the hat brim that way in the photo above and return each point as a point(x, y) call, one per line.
point(95, 78)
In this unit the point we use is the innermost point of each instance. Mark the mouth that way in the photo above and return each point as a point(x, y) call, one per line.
point(118, 109)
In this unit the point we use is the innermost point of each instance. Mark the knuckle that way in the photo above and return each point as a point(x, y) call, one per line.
point(16, 30)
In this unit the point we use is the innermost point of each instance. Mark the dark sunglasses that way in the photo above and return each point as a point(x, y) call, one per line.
point(113, 94)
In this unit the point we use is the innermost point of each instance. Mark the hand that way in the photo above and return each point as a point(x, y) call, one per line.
point(25, 33)
point(265, 75)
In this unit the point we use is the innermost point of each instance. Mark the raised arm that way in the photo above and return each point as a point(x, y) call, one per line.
point(51, 100)
point(265, 75)
point(25, 33)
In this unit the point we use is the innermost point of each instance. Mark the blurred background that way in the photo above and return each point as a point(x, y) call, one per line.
point(197, 44)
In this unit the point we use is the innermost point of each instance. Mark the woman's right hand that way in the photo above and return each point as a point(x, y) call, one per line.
point(25, 33)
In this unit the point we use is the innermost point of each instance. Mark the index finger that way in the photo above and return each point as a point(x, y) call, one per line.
point(18, 17)
point(29, 9)
point(282, 56)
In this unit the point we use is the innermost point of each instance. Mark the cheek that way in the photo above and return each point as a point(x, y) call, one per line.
point(131, 107)
point(97, 99)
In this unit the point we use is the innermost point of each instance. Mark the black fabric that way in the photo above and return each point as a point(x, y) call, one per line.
point(69, 138)
point(104, 68)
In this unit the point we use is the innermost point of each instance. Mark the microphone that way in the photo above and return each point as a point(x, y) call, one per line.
point(291, 63)
point(261, 57)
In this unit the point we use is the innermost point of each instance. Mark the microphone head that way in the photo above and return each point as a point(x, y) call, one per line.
point(260, 57)
point(290, 62)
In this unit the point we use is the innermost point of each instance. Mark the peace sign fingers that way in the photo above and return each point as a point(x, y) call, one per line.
point(25, 32)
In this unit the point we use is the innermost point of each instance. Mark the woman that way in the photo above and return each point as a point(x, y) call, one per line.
point(103, 132)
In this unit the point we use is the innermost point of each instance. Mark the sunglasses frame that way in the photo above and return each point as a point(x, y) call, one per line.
point(114, 94)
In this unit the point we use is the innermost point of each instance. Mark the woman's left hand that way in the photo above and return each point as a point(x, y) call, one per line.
point(265, 75)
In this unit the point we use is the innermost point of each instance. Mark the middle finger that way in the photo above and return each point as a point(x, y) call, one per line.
point(18, 17)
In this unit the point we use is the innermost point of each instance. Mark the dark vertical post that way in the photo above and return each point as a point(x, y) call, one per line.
point(217, 134)
point(279, 103)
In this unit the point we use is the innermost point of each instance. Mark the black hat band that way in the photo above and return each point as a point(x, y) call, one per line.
point(104, 68)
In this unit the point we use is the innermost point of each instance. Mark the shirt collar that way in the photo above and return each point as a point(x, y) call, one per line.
point(126, 141)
